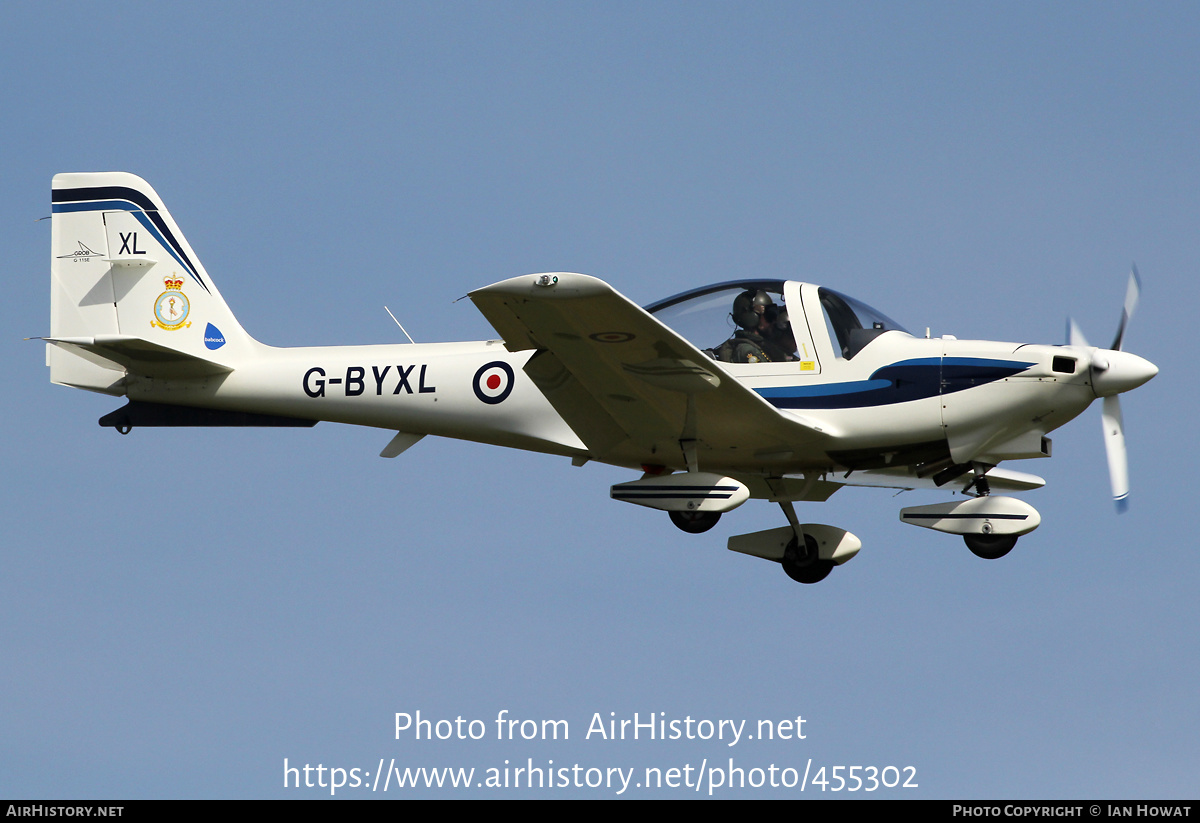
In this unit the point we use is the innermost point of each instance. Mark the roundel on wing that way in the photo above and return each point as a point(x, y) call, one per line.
point(612, 337)
point(493, 382)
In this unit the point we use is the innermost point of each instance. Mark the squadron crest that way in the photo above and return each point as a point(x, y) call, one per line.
point(172, 306)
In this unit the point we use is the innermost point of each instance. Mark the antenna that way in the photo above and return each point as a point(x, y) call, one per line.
point(406, 334)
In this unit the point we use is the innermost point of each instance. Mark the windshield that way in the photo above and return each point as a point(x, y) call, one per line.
point(853, 323)
point(743, 321)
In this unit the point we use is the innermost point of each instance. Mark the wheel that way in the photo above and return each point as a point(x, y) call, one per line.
point(990, 546)
point(695, 522)
point(806, 566)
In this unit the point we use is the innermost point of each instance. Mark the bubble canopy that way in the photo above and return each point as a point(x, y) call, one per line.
point(705, 316)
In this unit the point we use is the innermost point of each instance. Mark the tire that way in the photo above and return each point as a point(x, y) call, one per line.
point(990, 546)
point(807, 566)
point(695, 522)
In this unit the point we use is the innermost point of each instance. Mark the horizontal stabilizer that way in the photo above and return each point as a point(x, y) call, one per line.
point(140, 356)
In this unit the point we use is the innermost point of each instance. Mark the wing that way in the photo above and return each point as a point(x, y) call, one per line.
point(633, 389)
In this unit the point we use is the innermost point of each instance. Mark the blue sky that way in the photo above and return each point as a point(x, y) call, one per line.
point(184, 609)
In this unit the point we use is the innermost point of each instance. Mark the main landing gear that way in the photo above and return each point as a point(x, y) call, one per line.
point(806, 551)
point(989, 524)
point(805, 566)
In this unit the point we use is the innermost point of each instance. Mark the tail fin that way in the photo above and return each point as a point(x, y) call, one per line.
point(128, 294)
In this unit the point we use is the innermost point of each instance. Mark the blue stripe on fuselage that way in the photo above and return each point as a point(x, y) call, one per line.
point(901, 382)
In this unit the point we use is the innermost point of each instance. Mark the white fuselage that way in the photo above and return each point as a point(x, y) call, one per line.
point(431, 389)
point(417, 388)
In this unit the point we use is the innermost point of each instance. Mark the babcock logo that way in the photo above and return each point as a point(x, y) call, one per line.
point(213, 338)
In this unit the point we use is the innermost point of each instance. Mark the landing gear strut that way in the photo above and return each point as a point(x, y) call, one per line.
point(802, 558)
point(987, 546)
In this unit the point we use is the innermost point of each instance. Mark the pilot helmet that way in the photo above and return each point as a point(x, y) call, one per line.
point(748, 305)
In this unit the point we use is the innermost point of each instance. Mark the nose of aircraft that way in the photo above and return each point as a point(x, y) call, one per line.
point(1114, 372)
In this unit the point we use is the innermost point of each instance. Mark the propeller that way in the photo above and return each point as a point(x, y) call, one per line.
point(1114, 447)
point(1113, 372)
point(1132, 292)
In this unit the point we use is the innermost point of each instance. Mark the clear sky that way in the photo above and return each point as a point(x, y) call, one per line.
point(182, 610)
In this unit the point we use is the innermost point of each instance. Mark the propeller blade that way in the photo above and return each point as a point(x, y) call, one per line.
point(1114, 445)
point(1075, 334)
point(1132, 292)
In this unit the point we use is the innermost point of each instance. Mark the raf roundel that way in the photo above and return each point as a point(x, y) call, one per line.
point(493, 382)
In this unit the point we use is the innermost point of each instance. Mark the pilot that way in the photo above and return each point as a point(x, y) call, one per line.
point(749, 309)
point(750, 315)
